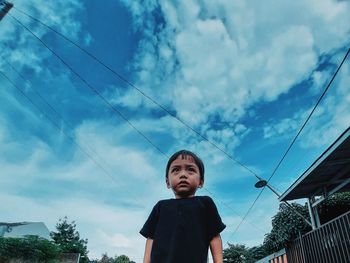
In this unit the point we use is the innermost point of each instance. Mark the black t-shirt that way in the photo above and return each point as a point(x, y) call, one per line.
point(182, 229)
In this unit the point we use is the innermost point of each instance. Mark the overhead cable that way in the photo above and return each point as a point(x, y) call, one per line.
point(143, 94)
point(146, 96)
point(37, 93)
point(56, 126)
point(114, 109)
point(295, 138)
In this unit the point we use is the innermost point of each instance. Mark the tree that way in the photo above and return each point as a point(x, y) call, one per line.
point(117, 259)
point(256, 253)
point(68, 239)
point(334, 206)
point(235, 253)
point(28, 249)
point(122, 259)
point(240, 253)
point(286, 225)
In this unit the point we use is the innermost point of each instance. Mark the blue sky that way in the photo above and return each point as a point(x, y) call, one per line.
point(243, 74)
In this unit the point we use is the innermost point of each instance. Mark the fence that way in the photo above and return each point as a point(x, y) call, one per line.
point(329, 243)
point(277, 257)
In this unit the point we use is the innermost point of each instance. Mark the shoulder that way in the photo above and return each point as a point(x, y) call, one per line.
point(207, 201)
point(205, 198)
point(164, 203)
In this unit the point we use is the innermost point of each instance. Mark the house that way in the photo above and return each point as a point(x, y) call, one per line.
point(329, 174)
point(22, 229)
point(329, 241)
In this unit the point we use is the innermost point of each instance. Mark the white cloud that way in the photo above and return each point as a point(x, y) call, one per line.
point(334, 114)
point(284, 127)
point(108, 213)
point(331, 117)
point(115, 240)
point(49, 15)
point(45, 11)
point(99, 223)
point(287, 62)
point(248, 52)
point(210, 63)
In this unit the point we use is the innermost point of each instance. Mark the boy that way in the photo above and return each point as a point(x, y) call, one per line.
point(181, 230)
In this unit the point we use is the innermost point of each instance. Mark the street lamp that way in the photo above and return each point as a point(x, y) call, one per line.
point(262, 183)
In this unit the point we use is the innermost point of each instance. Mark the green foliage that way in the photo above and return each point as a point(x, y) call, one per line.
point(68, 239)
point(286, 225)
point(242, 254)
point(256, 253)
point(235, 253)
point(334, 206)
point(30, 248)
point(117, 259)
point(122, 259)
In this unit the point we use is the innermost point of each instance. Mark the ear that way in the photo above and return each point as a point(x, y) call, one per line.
point(201, 183)
point(167, 183)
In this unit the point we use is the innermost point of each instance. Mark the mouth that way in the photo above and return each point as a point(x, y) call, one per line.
point(183, 183)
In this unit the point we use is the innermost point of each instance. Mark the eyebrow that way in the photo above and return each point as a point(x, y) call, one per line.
point(187, 166)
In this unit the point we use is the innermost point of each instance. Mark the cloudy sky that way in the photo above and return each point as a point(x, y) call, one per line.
point(78, 140)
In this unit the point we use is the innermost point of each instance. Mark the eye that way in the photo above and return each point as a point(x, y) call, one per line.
point(191, 169)
point(174, 169)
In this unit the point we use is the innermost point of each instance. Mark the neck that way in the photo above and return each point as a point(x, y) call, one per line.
point(183, 196)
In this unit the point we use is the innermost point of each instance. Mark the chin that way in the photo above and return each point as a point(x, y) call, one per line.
point(185, 194)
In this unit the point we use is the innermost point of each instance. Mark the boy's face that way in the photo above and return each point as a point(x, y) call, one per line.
point(184, 177)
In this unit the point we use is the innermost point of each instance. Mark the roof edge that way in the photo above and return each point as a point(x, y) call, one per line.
point(319, 160)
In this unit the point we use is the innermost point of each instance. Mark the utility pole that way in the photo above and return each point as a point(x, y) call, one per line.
point(4, 8)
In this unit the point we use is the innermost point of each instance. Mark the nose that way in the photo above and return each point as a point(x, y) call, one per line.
point(183, 174)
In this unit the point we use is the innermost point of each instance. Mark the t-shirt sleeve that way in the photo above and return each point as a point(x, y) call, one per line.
point(149, 227)
point(215, 224)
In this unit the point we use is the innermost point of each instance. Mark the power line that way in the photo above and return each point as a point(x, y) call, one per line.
point(106, 172)
point(142, 93)
point(117, 111)
point(234, 211)
point(295, 138)
point(185, 124)
point(47, 104)
point(114, 109)
point(71, 138)
point(309, 116)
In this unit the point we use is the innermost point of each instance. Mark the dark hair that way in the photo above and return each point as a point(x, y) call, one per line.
point(184, 153)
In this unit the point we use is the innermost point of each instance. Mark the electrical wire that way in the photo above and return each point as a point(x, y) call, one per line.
point(51, 108)
point(181, 121)
point(121, 115)
point(177, 118)
point(56, 126)
point(235, 212)
point(309, 116)
point(142, 93)
point(295, 138)
point(114, 109)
